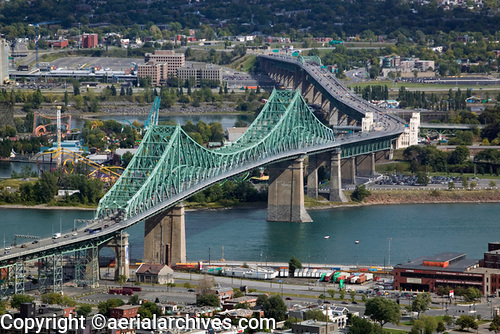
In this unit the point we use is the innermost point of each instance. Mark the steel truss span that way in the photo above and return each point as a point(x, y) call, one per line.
point(169, 163)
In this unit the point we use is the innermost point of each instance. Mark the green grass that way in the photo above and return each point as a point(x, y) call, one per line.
point(244, 63)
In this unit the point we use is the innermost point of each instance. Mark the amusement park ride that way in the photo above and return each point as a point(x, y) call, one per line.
point(66, 158)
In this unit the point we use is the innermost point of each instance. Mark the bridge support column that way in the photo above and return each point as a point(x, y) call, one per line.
point(120, 245)
point(336, 194)
point(349, 170)
point(50, 273)
point(87, 267)
point(365, 164)
point(333, 115)
point(165, 237)
point(286, 193)
point(297, 80)
point(312, 183)
point(316, 96)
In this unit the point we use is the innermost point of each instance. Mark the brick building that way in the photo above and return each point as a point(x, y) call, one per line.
point(124, 311)
point(172, 59)
point(60, 43)
point(89, 41)
point(157, 71)
point(451, 270)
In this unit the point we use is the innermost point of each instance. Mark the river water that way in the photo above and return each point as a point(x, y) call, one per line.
point(244, 234)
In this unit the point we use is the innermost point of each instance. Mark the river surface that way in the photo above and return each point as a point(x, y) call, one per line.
point(244, 234)
point(225, 120)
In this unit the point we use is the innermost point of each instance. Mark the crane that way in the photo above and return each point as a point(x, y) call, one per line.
point(36, 34)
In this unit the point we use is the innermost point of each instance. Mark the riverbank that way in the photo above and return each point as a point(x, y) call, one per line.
point(386, 197)
point(377, 197)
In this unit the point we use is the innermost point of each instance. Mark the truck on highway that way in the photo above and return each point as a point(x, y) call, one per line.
point(56, 235)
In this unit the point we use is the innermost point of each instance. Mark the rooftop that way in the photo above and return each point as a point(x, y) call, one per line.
point(449, 261)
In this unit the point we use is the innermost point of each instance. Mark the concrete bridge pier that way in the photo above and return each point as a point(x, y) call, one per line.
point(316, 99)
point(286, 192)
point(336, 194)
point(313, 163)
point(165, 237)
point(120, 247)
point(365, 164)
point(333, 115)
point(348, 168)
point(297, 79)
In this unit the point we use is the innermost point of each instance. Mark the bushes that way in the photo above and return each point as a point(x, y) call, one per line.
point(360, 193)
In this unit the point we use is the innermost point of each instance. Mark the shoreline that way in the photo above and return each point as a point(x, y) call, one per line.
point(325, 206)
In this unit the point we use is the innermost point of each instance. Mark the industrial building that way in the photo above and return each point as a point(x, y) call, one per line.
point(4, 60)
point(451, 269)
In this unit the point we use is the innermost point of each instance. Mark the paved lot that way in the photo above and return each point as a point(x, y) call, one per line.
point(113, 64)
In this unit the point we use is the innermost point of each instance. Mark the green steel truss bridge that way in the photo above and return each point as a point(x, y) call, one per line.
point(170, 167)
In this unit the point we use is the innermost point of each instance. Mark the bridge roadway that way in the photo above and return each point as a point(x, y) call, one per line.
point(450, 126)
point(329, 84)
point(393, 127)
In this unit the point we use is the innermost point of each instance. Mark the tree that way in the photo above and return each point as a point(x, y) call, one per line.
point(84, 310)
point(440, 327)
point(148, 309)
point(352, 293)
point(492, 184)
point(205, 284)
point(342, 294)
point(473, 184)
point(382, 310)
point(495, 324)
point(293, 264)
point(472, 294)
point(421, 302)
point(17, 300)
point(451, 185)
point(466, 322)
point(104, 307)
point(208, 299)
point(315, 315)
point(425, 324)
point(422, 178)
point(331, 292)
point(126, 157)
point(360, 193)
point(133, 300)
point(465, 182)
point(275, 308)
point(362, 326)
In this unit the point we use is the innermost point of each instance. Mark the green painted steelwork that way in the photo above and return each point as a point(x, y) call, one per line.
point(169, 162)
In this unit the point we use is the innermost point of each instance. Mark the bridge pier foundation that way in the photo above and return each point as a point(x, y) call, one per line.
point(365, 164)
point(165, 237)
point(286, 192)
point(348, 167)
point(336, 194)
point(120, 245)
